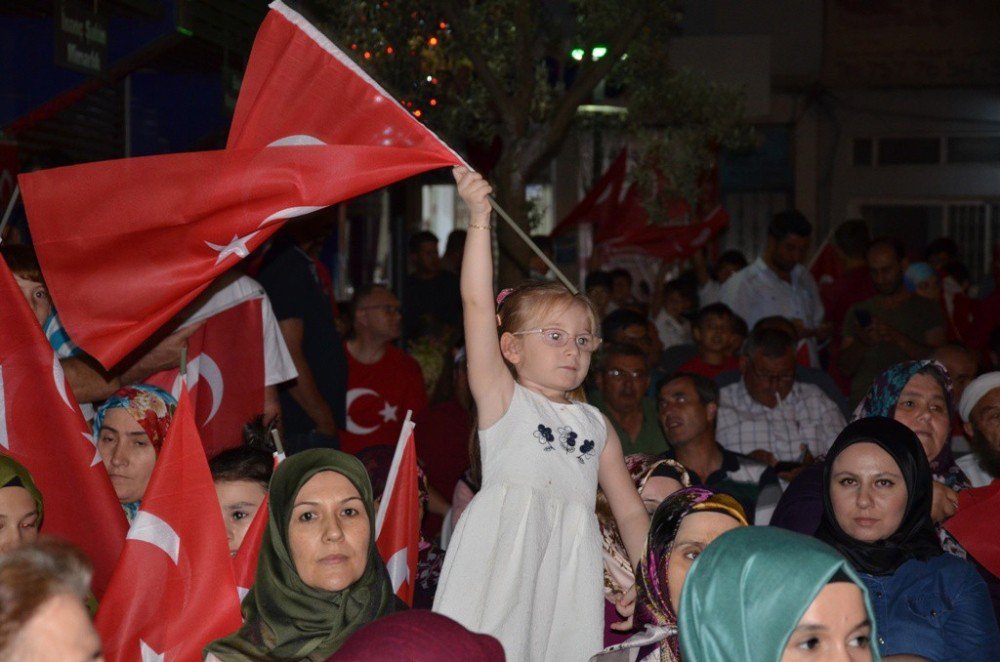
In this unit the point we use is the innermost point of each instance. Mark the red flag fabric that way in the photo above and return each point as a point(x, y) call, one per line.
point(245, 561)
point(42, 428)
point(173, 590)
point(602, 201)
point(310, 130)
point(397, 526)
point(974, 524)
point(668, 242)
point(225, 375)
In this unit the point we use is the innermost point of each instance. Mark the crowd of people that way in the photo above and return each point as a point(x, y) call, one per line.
point(743, 465)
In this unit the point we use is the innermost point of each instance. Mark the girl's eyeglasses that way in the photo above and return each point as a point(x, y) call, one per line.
point(587, 342)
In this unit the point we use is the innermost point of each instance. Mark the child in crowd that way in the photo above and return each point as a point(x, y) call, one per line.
point(671, 325)
point(713, 335)
point(525, 561)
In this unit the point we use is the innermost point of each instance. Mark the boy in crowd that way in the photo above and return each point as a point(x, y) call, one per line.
point(713, 335)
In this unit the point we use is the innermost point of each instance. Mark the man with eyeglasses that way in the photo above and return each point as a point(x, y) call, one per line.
point(770, 416)
point(621, 373)
point(382, 380)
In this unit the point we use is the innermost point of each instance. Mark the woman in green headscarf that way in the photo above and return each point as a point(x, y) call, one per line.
point(763, 594)
point(20, 506)
point(319, 575)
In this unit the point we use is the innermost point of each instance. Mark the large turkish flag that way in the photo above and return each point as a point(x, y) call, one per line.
point(42, 428)
point(126, 244)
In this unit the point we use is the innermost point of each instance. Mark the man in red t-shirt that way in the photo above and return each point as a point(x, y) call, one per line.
point(713, 334)
point(382, 381)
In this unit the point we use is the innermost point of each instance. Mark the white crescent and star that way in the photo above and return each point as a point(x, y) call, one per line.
point(204, 367)
point(59, 377)
point(399, 569)
point(388, 411)
point(147, 654)
point(238, 244)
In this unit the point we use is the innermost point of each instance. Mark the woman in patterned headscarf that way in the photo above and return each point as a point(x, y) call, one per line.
point(682, 526)
point(619, 577)
point(130, 428)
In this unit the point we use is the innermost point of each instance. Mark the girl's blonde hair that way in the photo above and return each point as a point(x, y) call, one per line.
point(521, 305)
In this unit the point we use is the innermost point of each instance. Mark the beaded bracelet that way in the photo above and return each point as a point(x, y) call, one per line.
point(480, 227)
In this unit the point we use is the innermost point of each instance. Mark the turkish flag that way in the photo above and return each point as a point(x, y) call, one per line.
point(225, 374)
point(668, 242)
point(397, 525)
point(42, 428)
point(245, 561)
point(173, 590)
point(974, 524)
point(602, 202)
point(126, 244)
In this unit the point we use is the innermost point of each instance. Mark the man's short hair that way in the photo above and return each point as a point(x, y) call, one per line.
point(717, 309)
point(618, 320)
point(707, 389)
point(621, 273)
point(895, 244)
point(608, 350)
point(772, 343)
point(419, 238)
point(789, 222)
point(945, 245)
point(776, 322)
point(852, 237)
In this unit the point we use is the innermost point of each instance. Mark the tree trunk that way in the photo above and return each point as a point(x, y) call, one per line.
point(509, 182)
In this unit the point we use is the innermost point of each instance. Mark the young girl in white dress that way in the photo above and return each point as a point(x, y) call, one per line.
point(524, 563)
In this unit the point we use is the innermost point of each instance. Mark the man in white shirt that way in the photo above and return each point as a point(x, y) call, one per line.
point(770, 416)
point(980, 412)
point(778, 284)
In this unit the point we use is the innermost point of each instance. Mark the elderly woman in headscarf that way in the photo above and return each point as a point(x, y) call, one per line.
point(915, 393)
point(20, 506)
point(761, 594)
point(130, 428)
point(683, 525)
point(877, 513)
point(319, 574)
point(619, 578)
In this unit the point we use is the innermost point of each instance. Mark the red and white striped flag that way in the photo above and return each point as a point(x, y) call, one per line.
point(397, 525)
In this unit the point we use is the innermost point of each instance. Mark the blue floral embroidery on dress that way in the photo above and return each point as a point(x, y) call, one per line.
point(586, 450)
point(567, 439)
point(544, 436)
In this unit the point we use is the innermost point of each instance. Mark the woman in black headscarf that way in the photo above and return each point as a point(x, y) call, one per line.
point(877, 512)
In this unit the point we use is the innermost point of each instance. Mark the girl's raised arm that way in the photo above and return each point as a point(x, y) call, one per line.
point(490, 381)
point(626, 505)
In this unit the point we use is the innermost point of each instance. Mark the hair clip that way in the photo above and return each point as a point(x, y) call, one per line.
point(502, 296)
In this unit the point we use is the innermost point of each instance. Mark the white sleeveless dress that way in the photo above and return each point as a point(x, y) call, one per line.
point(524, 563)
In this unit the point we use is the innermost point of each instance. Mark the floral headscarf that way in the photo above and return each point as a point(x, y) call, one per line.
point(881, 400)
point(653, 606)
point(618, 574)
point(151, 407)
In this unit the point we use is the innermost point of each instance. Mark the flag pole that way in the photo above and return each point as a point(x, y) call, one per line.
point(276, 436)
point(10, 210)
point(184, 365)
point(819, 249)
point(538, 251)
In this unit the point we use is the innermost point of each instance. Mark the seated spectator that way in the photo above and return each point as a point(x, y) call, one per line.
point(980, 412)
point(850, 241)
point(43, 615)
point(597, 286)
point(918, 395)
point(681, 528)
point(382, 381)
point(730, 609)
point(962, 365)
point(241, 476)
point(768, 414)
point(688, 406)
point(877, 494)
point(429, 290)
point(418, 635)
point(21, 508)
point(709, 287)
point(625, 326)
point(675, 302)
point(445, 427)
point(892, 326)
point(130, 428)
point(621, 289)
point(298, 603)
point(621, 373)
point(712, 332)
point(940, 252)
point(619, 578)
